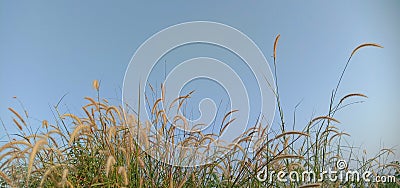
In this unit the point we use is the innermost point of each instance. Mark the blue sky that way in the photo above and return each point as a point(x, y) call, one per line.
point(50, 48)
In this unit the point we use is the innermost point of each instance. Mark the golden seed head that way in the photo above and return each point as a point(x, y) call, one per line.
point(96, 84)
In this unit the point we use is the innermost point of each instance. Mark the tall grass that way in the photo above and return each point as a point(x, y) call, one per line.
point(99, 149)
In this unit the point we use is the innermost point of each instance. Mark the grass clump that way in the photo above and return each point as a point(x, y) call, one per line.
point(99, 150)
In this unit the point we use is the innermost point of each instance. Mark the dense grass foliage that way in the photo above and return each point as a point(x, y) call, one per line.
point(98, 149)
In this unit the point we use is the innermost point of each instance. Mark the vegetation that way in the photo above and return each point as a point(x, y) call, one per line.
point(99, 150)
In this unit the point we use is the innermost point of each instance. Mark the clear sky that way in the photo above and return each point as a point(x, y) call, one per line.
point(50, 48)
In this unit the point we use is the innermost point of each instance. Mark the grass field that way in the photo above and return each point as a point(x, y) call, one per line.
point(99, 150)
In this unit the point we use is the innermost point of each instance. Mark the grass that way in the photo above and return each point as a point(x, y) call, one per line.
point(99, 150)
